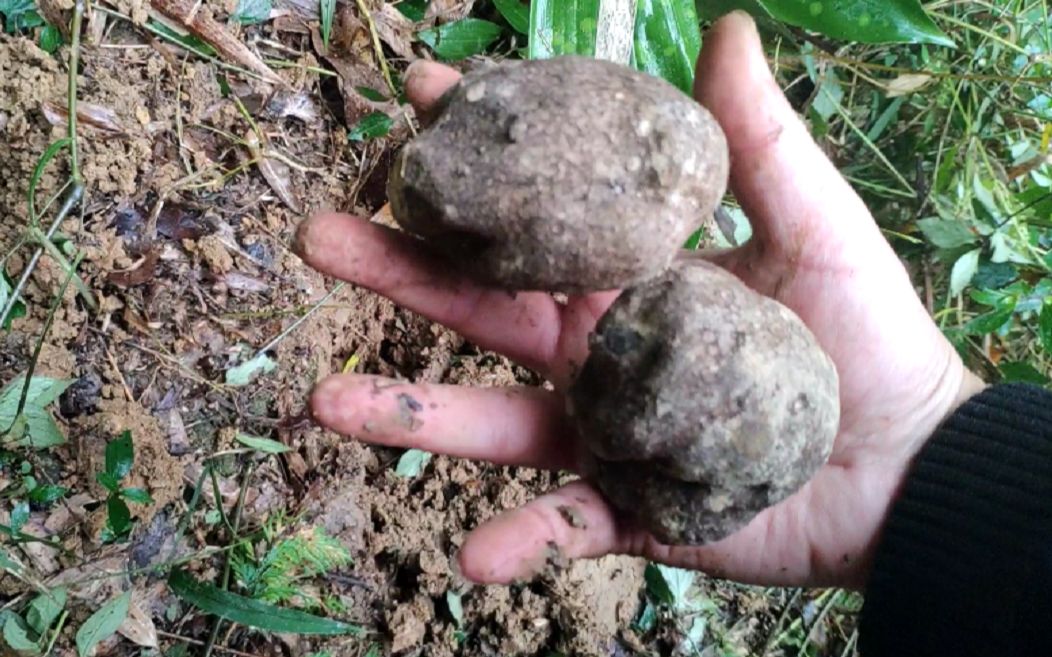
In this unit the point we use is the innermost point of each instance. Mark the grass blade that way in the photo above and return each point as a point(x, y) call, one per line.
point(253, 613)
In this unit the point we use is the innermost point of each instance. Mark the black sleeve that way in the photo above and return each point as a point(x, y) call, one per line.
point(964, 566)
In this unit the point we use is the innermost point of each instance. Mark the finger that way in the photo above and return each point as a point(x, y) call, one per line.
point(524, 326)
point(425, 83)
point(569, 523)
point(507, 426)
point(800, 206)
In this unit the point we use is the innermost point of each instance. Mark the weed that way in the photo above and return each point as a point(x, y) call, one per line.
point(120, 456)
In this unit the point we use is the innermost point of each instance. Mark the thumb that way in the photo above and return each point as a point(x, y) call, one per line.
point(802, 210)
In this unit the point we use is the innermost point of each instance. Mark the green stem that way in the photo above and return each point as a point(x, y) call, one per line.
point(229, 557)
point(58, 630)
point(56, 254)
point(74, 64)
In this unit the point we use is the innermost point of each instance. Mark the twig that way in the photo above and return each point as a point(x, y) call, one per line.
point(120, 376)
point(378, 49)
point(294, 325)
point(197, 642)
point(71, 97)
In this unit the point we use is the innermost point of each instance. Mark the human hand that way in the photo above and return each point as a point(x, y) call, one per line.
point(815, 249)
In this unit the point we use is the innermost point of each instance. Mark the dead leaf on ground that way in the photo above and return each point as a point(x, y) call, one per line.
point(447, 11)
point(1026, 166)
point(188, 14)
point(89, 114)
point(236, 280)
point(275, 172)
point(395, 30)
point(907, 83)
point(141, 272)
point(138, 626)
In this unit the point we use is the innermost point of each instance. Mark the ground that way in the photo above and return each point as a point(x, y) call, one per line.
point(196, 177)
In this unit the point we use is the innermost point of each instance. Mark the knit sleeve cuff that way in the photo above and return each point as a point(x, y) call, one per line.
point(964, 566)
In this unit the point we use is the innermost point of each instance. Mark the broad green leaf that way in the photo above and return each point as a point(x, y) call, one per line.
point(19, 15)
point(16, 635)
point(679, 582)
point(371, 94)
point(460, 39)
point(1045, 327)
point(947, 234)
point(327, 11)
point(102, 624)
point(137, 495)
point(991, 321)
point(371, 126)
point(262, 444)
point(667, 40)
point(412, 463)
point(50, 38)
point(516, 13)
point(253, 613)
point(562, 27)
point(963, 271)
point(1023, 372)
point(456, 607)
point(246, 372)
point(120, 455)
point(118, 516)
point(19, 516)
point(866, 21)
point(40, 429)
point(657, 587)
point(47, 493)
point(45, 608)
point(414, 10)
point(250, 12)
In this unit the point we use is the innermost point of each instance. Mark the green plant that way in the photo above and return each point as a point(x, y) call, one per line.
point(26, 635)
point(673, 600)
point(120, 456)
point(288, 563)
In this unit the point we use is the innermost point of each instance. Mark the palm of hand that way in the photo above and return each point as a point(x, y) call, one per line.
point(815, 249)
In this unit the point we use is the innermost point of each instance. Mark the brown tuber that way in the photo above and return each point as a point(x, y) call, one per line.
point(703, 403)
point(567, 174)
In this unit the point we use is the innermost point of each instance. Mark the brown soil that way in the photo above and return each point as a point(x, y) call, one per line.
point(185, 243)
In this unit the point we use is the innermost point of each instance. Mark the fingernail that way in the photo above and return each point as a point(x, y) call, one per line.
point(417, 69)
point(301, 240)
point(325, 399)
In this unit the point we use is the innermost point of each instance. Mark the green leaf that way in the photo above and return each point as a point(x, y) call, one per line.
point(102, 624)
point(120, 455)
point(866, 21)
point(991, 321)
point(456, 607)
point(38, 172)
point(45, 608)
point(47, 493)
point(18, 310)
point(108, 481)
point(137, 495)
point(963, 271)
point(1044, 322)
point(253, 613)
point(327, 11)
point(669, 586)
point(412, 463)
point(371, 94)
point(19, 15)
point(118, 516)
point(19, 516)
point(667, 40)
point(1023, 372)
point(265, 445)
point(50, 38)
point(244, 373)
point(647, 618)
point(461, 39)
point(40, 428)
point(16, 635)
point(947, 234)
point(657, 587)
point(414, 10)
point(250, 12)
point(371, 126)
point(516, 13)
point(188, 41)
point(562, 27)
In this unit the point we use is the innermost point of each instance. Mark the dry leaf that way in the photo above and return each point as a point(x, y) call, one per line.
point(275, 172)
point(447, 11)
point(188, 15)
point(237, 281)
point(395, 30)
point(138, 627)
point(142, 271)
point(1026, 166)
point(907, 83)
point(88, 114)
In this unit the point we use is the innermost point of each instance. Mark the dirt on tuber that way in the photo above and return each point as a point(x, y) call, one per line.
point(567, 174)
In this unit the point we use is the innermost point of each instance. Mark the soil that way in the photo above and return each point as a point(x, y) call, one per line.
point(185, 243)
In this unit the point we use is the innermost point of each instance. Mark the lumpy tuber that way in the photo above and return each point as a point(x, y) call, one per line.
point(568, 174)
point(701, 402)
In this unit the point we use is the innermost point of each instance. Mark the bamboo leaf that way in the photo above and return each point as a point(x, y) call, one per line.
point(562, 27)
point(265, 445)
point(668, 40)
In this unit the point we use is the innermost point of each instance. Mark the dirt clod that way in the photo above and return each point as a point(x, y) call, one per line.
point(568, 174)
point(703, 403)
